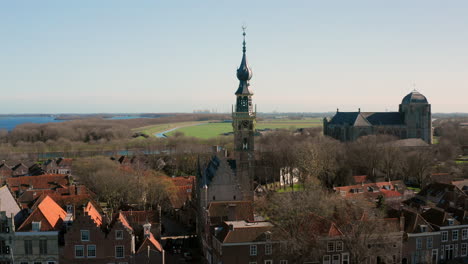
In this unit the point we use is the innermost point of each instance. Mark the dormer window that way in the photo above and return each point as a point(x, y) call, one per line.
point(423, 228)
point(268, 236)
point(36, 226)
point(450, 221)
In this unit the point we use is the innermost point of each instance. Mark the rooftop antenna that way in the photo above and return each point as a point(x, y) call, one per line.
point(414, 86)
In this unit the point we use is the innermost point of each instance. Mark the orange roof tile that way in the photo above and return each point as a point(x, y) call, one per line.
point(152, 242)
point(93, 213)
point(124, 221)
point(46, 181)
point(48, 212)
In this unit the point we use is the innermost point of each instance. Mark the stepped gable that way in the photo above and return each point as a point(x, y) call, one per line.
point(91, 211)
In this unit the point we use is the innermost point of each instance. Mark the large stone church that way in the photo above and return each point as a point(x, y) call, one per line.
point(413, 120)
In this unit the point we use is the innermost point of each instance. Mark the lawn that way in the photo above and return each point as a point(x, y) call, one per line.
point(296, 187)
point(211, 130)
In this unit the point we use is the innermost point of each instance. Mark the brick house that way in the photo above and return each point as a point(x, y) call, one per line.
point(58, 166)
point(90, 240)
point(245, 242)
point(37, 239)
point(421, 241)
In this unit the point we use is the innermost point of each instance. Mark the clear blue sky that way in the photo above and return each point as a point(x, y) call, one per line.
point(175, 56)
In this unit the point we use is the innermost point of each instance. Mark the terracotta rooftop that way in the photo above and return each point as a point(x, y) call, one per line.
point(387, 189)
point(93, 213)
point(49, 213)
point(152, 242)
point(141, 217)
point(242, 231)
point(232, 210)
point(47, 181)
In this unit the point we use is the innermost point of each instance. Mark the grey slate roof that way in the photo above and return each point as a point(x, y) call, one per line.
point(360, 119)
point(414, 97)
point(211, 169)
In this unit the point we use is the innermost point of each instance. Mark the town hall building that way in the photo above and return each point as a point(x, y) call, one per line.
point(413, 120)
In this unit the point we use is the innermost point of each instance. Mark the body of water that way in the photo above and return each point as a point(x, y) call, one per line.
point(125, 117)
point(10, 122)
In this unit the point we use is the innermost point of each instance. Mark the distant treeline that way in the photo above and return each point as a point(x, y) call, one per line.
point(93, 129)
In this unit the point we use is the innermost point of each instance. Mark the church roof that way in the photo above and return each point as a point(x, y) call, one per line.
point(414, 97)
point(211, 169)
point(244, 74)
point(362, 119)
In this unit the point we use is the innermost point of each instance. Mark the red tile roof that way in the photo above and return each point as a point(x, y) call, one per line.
point(141, 217)
point(49, 213)
point(360, 179)
point(41, 182)
point(123, 220)
point(232, 210)
point(183, 192)
point(93, 213)
point(388, 189)
point(151, 242)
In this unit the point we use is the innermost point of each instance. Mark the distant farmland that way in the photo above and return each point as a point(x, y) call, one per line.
point(210, 130)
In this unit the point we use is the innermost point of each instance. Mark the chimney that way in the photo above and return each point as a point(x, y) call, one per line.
point(402, 222)
point(146, 230)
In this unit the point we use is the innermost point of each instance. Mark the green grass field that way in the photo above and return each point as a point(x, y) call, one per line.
point(211, 130)
point(151, 130)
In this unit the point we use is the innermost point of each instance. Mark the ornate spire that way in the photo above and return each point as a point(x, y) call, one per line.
point(244, 73)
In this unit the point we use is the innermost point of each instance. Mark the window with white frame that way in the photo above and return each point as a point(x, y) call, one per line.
point(339, 246)
point(418, 243)
point(429, 242)
point(268, 249)
point(331, 246)
point(84, 235)
point(269, 261)
point(345, 258)
point(463, 249)
point(454, 235)
point(79, 251)
point(444, 236)
point(336, 259)
point(91, 251)
point(119, 234)
point(119, 251)
point(326, 259)
point(283, 261)
point(36, 226)
point(464, 234)
point(253, 250)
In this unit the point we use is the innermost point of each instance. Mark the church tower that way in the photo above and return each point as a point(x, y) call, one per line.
point(243, 116)
point(243, 123)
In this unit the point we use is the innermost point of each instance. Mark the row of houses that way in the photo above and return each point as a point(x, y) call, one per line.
point(49, 219)
point(15, 168)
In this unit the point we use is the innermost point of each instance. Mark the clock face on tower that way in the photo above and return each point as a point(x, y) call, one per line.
point(245, 123)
